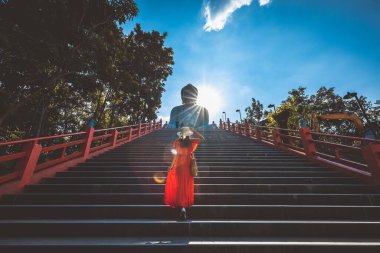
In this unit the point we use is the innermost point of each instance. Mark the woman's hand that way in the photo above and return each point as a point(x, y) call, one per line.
point(198, 133)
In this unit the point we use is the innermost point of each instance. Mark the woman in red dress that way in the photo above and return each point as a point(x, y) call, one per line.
point(179, 188)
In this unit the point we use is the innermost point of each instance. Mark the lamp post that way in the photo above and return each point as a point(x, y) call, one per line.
point(272, 106)
point(238, 110)
point(225, 116)
point(350, 95)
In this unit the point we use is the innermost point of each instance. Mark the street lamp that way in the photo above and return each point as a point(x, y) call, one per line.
point(272, 106)
point(225, 116)
point(350, 95)
point(238, 110)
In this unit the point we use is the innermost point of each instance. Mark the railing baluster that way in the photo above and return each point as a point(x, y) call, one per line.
point(88, 140)
point(258, 133)
point(139, 129)
point(307, 141)
point(247, 130)
point(276, 137)
point(114, 138)
point(371, 153)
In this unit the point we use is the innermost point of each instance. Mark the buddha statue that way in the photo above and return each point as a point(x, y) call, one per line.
point(189, 113)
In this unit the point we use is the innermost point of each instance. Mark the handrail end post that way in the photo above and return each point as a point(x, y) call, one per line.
point(27, 166)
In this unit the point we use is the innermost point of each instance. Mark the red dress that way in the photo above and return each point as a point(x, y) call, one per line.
point(179, 188)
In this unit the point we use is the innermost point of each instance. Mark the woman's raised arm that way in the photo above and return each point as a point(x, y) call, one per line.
point(199, 134)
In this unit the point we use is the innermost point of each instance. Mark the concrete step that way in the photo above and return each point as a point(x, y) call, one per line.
point(206, 188)
point(199, 228)
point(225, 212)
point(202, 180)
point(204, 163)
point(190, 244)
point(139, 173)
point(206, 168)
point(200, 198)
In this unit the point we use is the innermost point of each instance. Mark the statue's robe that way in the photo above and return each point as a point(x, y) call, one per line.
point(191, 115)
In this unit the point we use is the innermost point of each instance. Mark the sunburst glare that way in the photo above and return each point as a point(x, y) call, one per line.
point(210, 98)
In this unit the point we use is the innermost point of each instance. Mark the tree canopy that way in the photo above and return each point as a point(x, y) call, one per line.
point(299, 106)
point(65, 61)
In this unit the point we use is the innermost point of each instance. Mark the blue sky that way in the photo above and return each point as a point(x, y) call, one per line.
point(265, 50)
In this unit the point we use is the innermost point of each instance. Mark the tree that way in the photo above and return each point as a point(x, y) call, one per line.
point(254, 112)
point(65, 61)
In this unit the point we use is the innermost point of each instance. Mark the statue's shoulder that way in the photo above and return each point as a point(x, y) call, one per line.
point(176, 108)
point(204, 109)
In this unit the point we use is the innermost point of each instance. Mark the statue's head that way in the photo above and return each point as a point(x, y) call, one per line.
point(189, 94)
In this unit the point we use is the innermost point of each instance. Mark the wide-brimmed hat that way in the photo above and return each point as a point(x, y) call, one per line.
point(185, 131)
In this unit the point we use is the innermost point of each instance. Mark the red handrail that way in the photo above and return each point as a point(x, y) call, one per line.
point(357, 156)
point(35, 154)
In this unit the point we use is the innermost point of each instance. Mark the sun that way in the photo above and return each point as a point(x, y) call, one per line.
point(210, 98)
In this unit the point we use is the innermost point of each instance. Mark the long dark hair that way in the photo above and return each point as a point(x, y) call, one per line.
point(184, 142)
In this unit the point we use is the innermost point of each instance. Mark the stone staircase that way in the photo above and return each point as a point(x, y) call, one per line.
point(249, 198)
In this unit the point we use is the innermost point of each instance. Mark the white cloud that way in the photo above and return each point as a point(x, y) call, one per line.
point(264, 2)
point(215, 21)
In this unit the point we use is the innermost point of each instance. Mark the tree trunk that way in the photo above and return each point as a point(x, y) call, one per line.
point(112, 116)
point(103, 107)
point(96, 112)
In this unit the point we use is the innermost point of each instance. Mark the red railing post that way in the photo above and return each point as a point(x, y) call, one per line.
point(139, 129)
point(307, 141)
point(154, 124)
point(258, 133)
point(130, 133)
point(88, 140)
point(371, 153)
point(114, 137)
point(228, 124)
point(239, 128)
point(220, 124)
point(276, 137)
point(160, 126)
point(28, 164)
point(247, 130)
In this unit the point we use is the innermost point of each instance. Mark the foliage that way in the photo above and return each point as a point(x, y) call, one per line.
point(300, 106)
point(65, 61)
point(254, 112)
